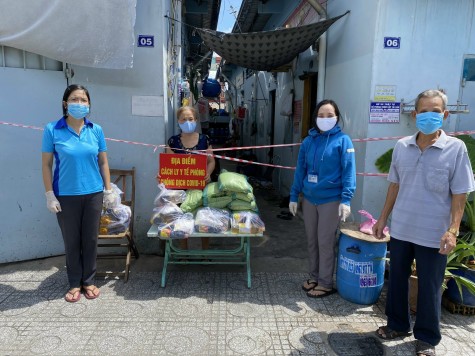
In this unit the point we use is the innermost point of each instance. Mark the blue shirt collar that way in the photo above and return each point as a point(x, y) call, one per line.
point(62, 123)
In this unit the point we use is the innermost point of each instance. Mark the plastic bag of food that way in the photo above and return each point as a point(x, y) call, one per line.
point(183, 227)
point(115, 221)
point(367, 226)
point(193, 200)
point(233, 182)
point(180, 228)
point(212, 220)
point(166, 213)
point(169, 196)
point(117, 193)
point(246, 222)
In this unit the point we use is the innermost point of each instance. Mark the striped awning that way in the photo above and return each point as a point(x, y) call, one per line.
point(264, 50)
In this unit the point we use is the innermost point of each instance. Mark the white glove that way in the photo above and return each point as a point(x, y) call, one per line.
point(110, 200)
point(52, 203)
point(344, 211)
point(293, 208)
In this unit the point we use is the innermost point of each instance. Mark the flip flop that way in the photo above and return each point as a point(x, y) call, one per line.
point(91, 290)
point(72, 292)
point(386, 333)
point(324, 294)
point(310, 283)
point(424, 349)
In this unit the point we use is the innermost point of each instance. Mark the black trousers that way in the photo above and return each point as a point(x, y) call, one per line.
point(79, 222)
point(430, 265)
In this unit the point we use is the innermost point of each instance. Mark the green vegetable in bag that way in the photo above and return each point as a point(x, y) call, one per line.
point(243, 196)
point(193, 200)
point(218, 202)
point(242, 205)
point(211, 191)
point(233, 182)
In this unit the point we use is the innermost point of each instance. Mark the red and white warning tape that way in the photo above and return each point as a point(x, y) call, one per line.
point(155, 147)
point(251, 147)
point(243, 160)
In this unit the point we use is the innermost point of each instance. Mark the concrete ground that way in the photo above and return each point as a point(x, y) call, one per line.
point(203, 310)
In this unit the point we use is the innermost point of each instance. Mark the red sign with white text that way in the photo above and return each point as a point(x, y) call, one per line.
point(182, 171)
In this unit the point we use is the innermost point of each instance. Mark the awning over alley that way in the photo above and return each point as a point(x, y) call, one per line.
point(265, 50)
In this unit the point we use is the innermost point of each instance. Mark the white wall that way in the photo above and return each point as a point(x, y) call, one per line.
point(348, 78)
point(111, 93)
point(33, 98)
point(435, 35)
point(28, 230)
point(432, 47)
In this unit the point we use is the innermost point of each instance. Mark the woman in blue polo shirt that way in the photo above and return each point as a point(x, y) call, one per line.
point(77, 188)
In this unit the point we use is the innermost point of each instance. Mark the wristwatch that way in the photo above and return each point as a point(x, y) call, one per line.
point(453, 231)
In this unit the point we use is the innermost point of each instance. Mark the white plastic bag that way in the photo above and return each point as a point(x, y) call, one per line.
point(169, 196)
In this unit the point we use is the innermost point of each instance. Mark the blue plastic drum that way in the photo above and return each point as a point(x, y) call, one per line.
point(361, 263)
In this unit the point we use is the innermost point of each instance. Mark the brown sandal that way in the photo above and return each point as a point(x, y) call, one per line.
point(386, 333)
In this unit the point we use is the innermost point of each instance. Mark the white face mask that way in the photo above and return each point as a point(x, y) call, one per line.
point(326, 123)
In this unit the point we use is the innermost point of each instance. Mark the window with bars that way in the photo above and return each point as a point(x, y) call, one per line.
point(16, 58)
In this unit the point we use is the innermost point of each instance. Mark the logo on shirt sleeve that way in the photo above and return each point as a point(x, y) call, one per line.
point(349, 150)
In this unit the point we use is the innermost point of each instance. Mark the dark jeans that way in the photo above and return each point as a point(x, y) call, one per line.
point(79, 222)
point(430, 266)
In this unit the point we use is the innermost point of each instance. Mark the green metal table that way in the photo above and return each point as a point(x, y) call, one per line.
point(240, 255)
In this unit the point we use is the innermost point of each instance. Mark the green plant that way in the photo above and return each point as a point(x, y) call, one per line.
point(384, 161)
point(462, 256)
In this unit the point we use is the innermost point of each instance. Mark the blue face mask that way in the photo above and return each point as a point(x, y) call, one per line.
point(78, 111)
point(429, 122)
point(188, 126)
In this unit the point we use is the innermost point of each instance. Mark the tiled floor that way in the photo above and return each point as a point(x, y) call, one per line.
point(198, 313)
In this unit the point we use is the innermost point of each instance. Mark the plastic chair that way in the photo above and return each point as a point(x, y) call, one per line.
point(125, 181)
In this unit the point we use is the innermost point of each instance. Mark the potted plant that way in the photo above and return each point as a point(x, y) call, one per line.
point(460, 270)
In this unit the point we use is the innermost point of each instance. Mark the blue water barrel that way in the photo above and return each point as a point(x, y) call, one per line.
point(361, 263)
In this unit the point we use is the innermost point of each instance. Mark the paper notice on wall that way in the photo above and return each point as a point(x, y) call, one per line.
point(384, 112)
point(385, 93)
point(148, 105)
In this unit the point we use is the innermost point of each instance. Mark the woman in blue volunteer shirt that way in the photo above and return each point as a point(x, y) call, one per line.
point(326, 177)
point(77, 188)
